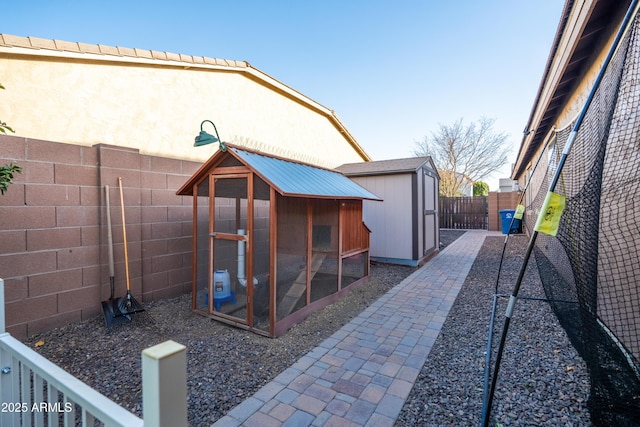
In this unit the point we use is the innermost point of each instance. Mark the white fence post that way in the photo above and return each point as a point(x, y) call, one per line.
point(6, 385)
point(164, 385)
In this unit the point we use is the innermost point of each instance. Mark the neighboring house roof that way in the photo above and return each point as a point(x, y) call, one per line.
point(387, 167)
point(579, 37)
point(288, 177)
point(16, 45)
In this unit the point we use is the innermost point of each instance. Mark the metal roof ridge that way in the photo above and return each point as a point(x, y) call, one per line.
point(296, 179)
point(277, 157)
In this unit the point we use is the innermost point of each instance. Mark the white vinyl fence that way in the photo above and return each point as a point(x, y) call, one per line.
point(36, 392)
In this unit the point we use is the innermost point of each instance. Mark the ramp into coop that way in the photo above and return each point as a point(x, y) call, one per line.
point(299, 286)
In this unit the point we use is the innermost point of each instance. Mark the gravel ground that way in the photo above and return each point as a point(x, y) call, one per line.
point(225, 365)
point(542, 380)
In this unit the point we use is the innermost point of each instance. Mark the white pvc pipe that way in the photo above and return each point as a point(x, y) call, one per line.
point(241, 265)
point(242, 278)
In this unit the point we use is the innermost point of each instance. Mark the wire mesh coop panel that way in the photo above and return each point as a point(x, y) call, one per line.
point(291, 256)
point(261, 253)
point(325, 220)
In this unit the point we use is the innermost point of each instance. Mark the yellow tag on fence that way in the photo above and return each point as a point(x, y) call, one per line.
point(550, 214)
point(519, 212)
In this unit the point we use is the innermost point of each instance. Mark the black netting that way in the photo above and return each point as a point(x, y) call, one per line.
point(595, 258)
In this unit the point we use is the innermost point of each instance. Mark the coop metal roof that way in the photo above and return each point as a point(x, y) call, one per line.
point(297, 179)
point(288, 177)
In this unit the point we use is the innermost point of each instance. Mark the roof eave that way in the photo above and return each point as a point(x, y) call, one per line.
point(583, 28)
point(187, 188)
point(329, 196)
point(542, 88)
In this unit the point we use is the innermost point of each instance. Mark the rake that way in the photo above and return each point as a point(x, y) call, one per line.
point(127, 305)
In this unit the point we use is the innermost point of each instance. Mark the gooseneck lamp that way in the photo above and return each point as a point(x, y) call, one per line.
point(205, 138)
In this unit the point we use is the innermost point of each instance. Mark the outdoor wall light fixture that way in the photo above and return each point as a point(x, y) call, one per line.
point(205, 138)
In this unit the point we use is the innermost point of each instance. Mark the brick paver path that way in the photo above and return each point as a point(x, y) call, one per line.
point(363, 373)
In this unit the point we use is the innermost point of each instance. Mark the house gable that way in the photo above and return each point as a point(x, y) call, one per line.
point(154, 101)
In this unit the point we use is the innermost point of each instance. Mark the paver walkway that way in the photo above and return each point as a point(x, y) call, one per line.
point(363, 373)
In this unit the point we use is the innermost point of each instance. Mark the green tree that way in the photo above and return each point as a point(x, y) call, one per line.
point(464, 153)
point(480, 188)
point(7, 171)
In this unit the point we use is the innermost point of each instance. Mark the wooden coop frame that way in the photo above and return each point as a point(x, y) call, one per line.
point(274, 240)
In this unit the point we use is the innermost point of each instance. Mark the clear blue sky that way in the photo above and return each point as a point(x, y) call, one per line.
point(391, 70)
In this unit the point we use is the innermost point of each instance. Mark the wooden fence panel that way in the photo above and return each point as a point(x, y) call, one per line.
point(464, 213)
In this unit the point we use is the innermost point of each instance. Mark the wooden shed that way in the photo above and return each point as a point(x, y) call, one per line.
point(404, 227)
point(273, 239)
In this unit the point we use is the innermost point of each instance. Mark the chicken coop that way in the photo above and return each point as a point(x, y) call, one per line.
point(273, 240)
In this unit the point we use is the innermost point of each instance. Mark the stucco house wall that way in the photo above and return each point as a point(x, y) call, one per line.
point(155, 101)
point(86, 114)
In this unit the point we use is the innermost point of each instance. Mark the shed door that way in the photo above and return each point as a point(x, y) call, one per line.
point(430, 218)
point(230, 266)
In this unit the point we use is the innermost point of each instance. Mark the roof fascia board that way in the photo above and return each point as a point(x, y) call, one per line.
point(577, 20)
point(187, 188)
point(404, 171)
point(380, 173)
point(326, 197)
point(433, 166)
point(282, 88)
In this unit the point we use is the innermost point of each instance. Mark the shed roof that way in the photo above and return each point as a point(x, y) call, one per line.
point(387, 167)
point(288, 177)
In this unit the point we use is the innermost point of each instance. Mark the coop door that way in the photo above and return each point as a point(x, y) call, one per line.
point(230, 290)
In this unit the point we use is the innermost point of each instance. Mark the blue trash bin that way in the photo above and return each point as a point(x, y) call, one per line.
point(506, 215)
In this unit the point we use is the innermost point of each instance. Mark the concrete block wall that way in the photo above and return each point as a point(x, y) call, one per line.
point(497, 202)
point(53, 233)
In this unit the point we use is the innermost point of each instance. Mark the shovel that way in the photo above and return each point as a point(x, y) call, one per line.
point(112, 314)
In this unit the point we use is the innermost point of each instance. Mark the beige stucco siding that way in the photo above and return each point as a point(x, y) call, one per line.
point(158, 108)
